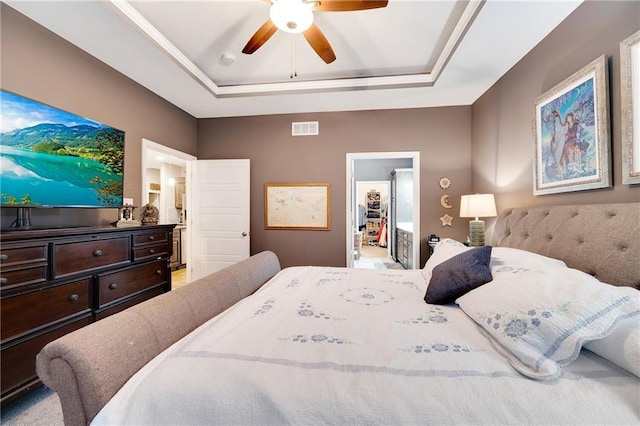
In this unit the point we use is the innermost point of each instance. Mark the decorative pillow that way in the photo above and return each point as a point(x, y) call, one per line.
point(622, 346)
point(539, 318)
point(459, 275)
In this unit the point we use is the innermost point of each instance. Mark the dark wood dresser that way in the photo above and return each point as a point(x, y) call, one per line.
point(55, 281)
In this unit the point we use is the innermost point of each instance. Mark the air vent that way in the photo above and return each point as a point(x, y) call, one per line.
point(304, 128)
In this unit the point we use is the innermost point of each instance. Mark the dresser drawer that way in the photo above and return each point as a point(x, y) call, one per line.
point(151, 237)
point(73, 257)
point(150, 252)
point(19, 361)
point(22, 276)
point(26, 264)
point(14, 256)
point(121, 284)
point(23, 313)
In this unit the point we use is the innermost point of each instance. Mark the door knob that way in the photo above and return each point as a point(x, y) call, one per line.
point(244, 234)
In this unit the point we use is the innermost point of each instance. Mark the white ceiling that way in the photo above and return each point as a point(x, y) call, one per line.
point(413, 53)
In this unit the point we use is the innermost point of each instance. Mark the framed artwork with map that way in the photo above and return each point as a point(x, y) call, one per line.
point(305, 206)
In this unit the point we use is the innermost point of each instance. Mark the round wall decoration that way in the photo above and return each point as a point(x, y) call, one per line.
point(445, 182)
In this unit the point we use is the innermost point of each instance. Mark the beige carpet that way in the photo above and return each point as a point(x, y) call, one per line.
point(39, 408)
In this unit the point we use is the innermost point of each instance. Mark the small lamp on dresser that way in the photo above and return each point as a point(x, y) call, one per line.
point(477, 206)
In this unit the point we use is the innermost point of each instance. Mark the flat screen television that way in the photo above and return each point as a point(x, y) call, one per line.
point(52, 158)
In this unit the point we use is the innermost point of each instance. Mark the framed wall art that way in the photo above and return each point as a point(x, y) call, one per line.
point(304, 206)
point(629, 81)
point(572, 134)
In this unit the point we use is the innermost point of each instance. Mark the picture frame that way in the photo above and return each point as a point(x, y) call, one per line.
point(297, 206)
point(630, 108)
point(572, 133)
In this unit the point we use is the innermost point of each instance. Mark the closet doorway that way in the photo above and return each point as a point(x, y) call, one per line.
point(372, 168)
point(371, 245)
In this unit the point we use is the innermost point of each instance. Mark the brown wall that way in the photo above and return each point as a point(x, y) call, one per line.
point(441, 135)
point(42, 66)
point(502, 119)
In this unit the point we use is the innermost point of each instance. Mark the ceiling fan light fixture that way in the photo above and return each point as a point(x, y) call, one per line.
point(292, 16)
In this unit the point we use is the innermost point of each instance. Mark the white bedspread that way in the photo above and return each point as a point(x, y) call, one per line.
point(323, 345)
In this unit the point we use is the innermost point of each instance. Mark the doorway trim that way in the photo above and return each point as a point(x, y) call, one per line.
point(351, 215)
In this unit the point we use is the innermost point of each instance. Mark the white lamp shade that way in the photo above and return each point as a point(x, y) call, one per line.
point(478, 205)
point(292, 16)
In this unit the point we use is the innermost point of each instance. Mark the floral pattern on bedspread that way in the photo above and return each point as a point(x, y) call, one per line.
point(266, 307)
point(517, 324)
point(367, 296)
point(510, 269)
point(434, 315)
point(316, 338)
point(435, 348)
point(307, 310)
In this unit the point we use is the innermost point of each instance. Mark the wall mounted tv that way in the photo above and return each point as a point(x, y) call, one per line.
point(52, 158)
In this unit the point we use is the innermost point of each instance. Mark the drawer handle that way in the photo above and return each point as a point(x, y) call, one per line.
point(152, 238)
point(113, 286)
point(97, 253)
point(74, 298)
point(4, 257)
point(151, 251)
point(158, 272)
point(3, 281)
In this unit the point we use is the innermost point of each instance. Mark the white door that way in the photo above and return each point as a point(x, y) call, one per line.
point(218, 215)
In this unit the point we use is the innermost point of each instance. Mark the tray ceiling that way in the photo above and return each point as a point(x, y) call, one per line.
point(412, 53)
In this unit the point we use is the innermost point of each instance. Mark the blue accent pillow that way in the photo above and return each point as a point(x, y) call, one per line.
point(459, 275)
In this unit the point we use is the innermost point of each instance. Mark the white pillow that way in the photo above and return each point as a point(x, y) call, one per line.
point(512, 257)
point(622, 346)
point(444, 250)
point(539, 317)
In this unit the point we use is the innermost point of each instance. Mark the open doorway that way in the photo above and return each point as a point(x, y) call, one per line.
point(371, 243)
point(380, 167)
point(164, 183)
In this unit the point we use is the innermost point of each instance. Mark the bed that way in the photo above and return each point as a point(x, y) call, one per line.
point(519, 332)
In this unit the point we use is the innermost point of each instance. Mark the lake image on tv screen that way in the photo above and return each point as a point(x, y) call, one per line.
point(49, 157)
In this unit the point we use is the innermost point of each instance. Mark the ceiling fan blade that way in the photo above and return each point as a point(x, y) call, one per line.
point(349, 5)
point(261, 36)
point(319, 43)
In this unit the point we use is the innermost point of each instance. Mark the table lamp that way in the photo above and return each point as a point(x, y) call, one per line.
point(477, 205)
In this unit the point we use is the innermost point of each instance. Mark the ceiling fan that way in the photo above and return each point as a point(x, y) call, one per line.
point(296, 16)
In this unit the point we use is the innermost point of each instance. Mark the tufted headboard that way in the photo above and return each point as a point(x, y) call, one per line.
point(600, 239)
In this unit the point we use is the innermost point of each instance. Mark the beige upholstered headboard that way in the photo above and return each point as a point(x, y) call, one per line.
point(600, 239)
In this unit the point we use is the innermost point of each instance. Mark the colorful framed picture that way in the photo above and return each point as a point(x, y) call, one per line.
point(305, 206)
point(572, 133)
